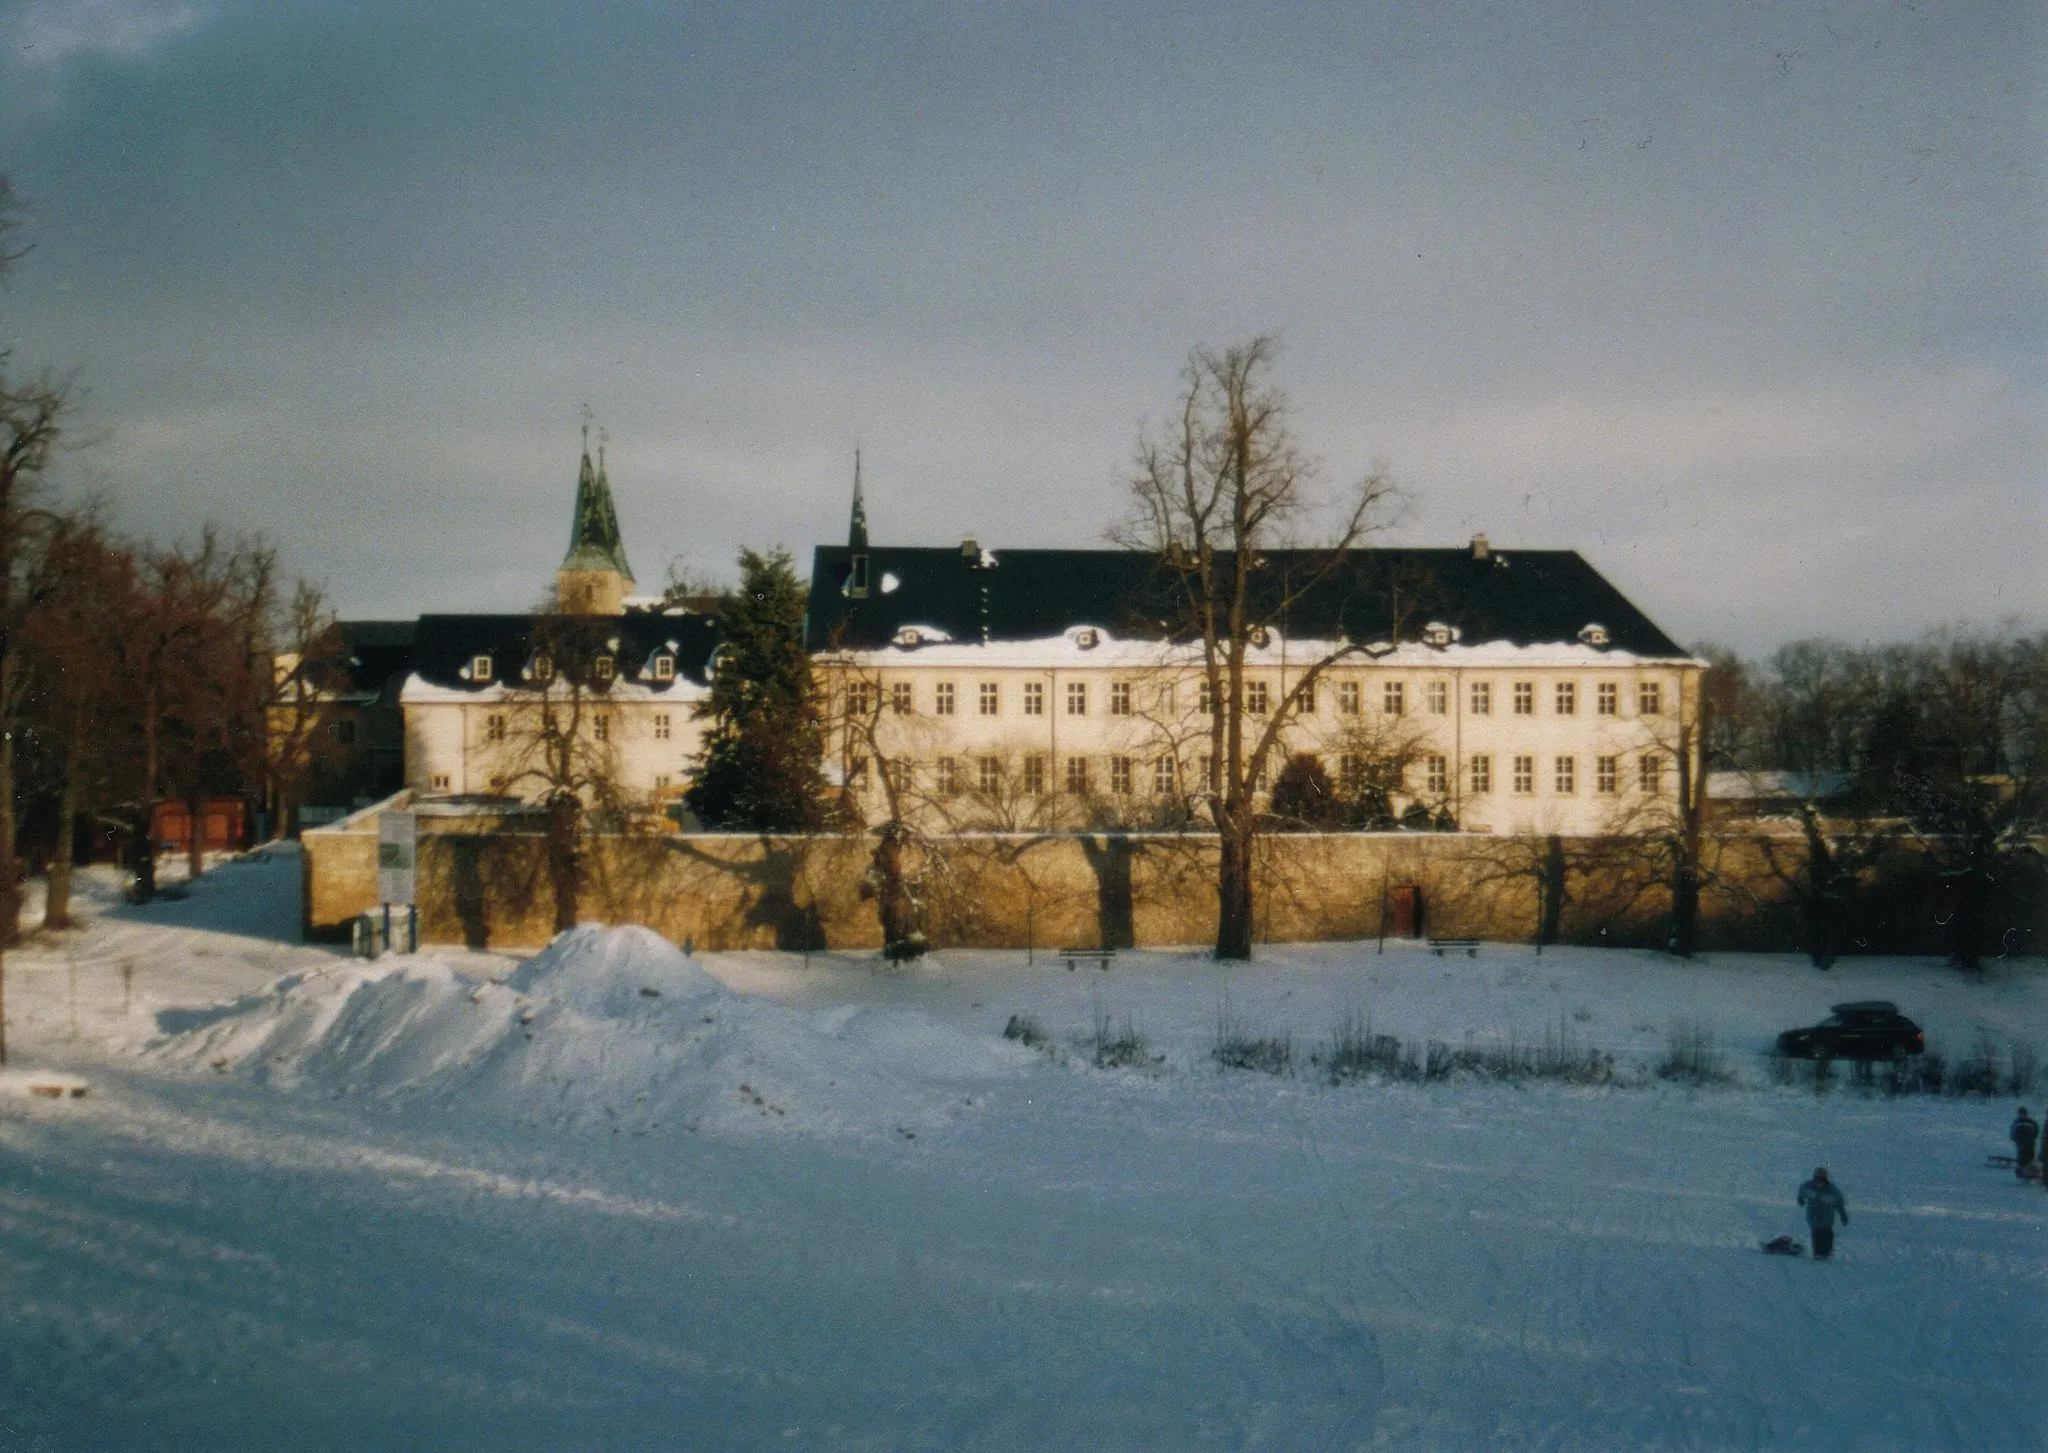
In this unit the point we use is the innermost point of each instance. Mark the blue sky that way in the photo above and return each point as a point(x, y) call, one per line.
point(1744, 302)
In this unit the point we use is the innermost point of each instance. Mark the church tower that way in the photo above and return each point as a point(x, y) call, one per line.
point(856, 586)
point(594, 578)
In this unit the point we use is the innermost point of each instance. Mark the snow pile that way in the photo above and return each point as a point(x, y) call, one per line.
point(607, 1028)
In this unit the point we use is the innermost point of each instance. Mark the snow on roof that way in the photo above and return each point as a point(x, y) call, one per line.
point(418, 691)
point(1110, 652)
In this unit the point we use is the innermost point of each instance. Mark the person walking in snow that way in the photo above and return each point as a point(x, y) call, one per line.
point(2025, 1132)
point(1823, 1201)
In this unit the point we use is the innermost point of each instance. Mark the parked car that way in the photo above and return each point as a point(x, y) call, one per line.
point(1861, 1029)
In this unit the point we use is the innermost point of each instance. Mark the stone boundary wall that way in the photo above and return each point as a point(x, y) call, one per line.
point(483, 883)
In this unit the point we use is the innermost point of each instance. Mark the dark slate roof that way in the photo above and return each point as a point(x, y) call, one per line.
point(378, 654)
point(444, 645)
point(1524, 597)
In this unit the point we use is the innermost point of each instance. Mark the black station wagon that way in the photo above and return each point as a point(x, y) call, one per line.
point(1860, 1029)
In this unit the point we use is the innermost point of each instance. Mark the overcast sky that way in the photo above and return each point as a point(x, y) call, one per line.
point(1747, 303)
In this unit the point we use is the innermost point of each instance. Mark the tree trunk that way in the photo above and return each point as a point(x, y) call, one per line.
point(10, 867)
point(1820, 893)
point(1234, 892)
point(1550, 877)
point(565, 857)
point(892, 897)
point(195, 838)
point(57, 894)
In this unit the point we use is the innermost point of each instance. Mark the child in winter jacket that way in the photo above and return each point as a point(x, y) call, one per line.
point(2025, 1132)
point(1823, 1201)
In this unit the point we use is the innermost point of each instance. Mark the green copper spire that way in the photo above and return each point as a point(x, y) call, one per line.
point(857, 530)
point(594, 542)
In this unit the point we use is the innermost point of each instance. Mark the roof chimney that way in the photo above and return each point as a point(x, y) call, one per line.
point(970, 549)
point(1480, 549)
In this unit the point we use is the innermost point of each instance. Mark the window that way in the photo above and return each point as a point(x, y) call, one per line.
point(1567, 775)
point(1394, 698)
point(1439, 698)
point(947, 777)
point(664, 667)
point(1077, 698)
point(1347, 698)
point(1209, 774)
point(1034, 698)
point(1482, 698)
point(1567, 698)
point(988, 773)
point(942, 699)
point(1437, 776)
point(1119, 698)
point(1305, 698)
point(1607, 775)
point(1255, 699)
point(1649, 698)
point(1120, 776)
point(1525, 775)
point(601, 728)
point(1351, 773)
point(494, 729)
point(991, 698)
point(902, 776)
point(1525, 698)
point(479, 668)
point(603, 669)
point(661, 782)
point(1163, 775)
point(860, 698)
point(1166, 695)
point(1650, 772)
point(901, 701)
point(438, 782)
point(1607, 699)
point(1206, 698)
point(1259, 776)
point(661, 727)
point(857, 774)
point(543, 667)
point(1077, 776)
point(1034, 775)
point(1482, 775)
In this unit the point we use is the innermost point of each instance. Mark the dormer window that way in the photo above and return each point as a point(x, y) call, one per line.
point(909, 636)
point(1437, 634)
point(664, 667)
point(1261, 637)
point(479, 668)
point(1087, 638)
point(857, 578)
point(1593, 635)
point(543, 668)
point(603, 669)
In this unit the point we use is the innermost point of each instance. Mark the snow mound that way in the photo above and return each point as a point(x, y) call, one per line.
point(608, 1028)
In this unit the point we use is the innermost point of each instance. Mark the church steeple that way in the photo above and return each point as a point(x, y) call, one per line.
point(857, 538)
point(594, 578)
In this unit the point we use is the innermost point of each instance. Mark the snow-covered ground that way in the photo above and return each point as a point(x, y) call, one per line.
point(610, 1197)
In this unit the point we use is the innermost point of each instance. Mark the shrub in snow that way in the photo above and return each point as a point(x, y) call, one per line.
point(1691, 1055)
point(1238, 1048)
point(1119, 1047)
point(1979, 1073)
point(1026, 1031)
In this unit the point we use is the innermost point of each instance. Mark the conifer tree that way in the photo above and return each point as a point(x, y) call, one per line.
point(760, 766)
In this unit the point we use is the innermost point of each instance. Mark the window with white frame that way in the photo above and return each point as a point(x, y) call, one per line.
point(601, 728)
point(1566, 775)
point(1120, 776)
point(1525, 698)
point(988, 773)
point(438, 782)
point(1394, 698)
point(1351, 773)
point(946, 776)
point(1607, 775)
point(1034, 775)
point(1205, 698)
point(1077, 698)
point(1439, 697)
point(1119, 698)
point(1437, 775)
point(1163, 775)
point(1077, 776)
point(1034, 698)
point(942, 699)
point(1256, 700)
point(1482, 698)
point(494, 728)
point(1259, 776)
point(664, 667)
point(1347, 698)
point(991, 698)
point(901, 698)
point(1209, 773)
point(1525, 776)
point(1305, 698)
point(902, 774)
point(603, 669)
point(543, 667)
point(1650, 772)
point(1166, 698)
point(1607, 699)
point(1567, 698)
point(661, 782)
point(661, 726)
point(1482, 775)
point(860, 698)
point(479, 668)
point(1649, 698)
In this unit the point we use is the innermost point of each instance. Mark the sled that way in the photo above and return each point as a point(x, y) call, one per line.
point(2007, 1162)
point(1784, 1246)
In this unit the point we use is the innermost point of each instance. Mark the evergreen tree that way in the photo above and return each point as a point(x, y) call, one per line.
point(760, 765)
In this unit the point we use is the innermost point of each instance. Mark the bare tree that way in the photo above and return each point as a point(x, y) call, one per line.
point(1215, 492)
point(307, 676)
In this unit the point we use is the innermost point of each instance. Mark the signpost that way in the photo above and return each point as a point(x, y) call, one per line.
point(398, 841)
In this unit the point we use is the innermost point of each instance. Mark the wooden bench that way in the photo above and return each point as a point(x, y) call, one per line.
point(1469, 945)
point(1102, 956)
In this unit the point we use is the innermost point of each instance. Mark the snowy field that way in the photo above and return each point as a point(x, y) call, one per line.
point(610, 1197)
